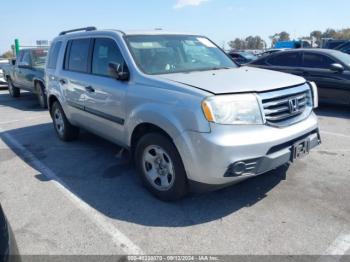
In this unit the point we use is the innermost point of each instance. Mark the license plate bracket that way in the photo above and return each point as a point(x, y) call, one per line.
point(300, 149)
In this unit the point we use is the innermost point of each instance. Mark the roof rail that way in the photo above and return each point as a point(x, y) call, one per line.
point(89, 28)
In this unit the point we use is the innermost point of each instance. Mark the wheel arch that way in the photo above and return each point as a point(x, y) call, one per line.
point(38, 81)
point(143, 129)
point(51, 100)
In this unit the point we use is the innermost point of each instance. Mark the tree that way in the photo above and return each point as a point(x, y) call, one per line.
point(237, 44)
point(283, 36)
point(343, 34)
point(250, 42)
point(317, 34)
point(329, 33)
point(255, 42)
point(7, 54)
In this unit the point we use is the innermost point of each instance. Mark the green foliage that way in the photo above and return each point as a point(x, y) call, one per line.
point(343, 34)
point(251, 42)
point(7, 55)
point(283, 36)
point(256, 42)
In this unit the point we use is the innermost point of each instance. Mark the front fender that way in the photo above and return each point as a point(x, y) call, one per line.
point(157, 115)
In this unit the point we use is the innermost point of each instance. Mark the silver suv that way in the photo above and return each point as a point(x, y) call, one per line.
point(190, 117)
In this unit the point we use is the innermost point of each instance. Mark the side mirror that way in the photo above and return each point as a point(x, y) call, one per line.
point(24, 65)
point(337, 68)
point(13, 62)
point(118, 71)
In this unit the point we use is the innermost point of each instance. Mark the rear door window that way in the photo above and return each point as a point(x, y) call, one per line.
point(54, 51)
point(285, 59)
point(78, 56)
point(312, 60)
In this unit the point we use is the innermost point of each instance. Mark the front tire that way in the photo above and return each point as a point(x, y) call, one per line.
point(14, 91)
point(160, 166)
point(40, 91)
point(65, 130)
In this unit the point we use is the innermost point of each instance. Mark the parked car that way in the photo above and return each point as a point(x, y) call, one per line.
point(329, 69)
point(241, 57)
point(27, 73)
point(345, 47)
point(190, 117)
point(272, 50)
point(333, 44)
point(3, 62)
point(8, 246)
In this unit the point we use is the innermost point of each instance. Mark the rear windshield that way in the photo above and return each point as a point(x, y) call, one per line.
point(39, 57)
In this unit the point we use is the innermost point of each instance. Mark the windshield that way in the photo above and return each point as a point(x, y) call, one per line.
point(164, 54)
point(248, 56)
point(39, 57)
point(345, 58)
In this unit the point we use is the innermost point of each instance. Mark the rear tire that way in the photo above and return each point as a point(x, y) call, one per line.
point(40, 91)
point(14, 91)
point(65, 130)
point(160, 166)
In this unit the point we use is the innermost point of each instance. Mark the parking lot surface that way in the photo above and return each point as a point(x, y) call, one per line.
point(83, 198)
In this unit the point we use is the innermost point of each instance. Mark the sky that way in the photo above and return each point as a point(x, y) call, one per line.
point(220, 20)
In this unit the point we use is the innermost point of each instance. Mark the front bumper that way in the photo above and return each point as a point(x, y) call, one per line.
point(208, 157)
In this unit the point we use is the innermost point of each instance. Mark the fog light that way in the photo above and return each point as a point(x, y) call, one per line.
point(236, 169)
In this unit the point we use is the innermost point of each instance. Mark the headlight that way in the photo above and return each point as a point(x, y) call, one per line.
point(240, 109)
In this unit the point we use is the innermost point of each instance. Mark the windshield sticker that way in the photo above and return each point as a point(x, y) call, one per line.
point(205, 42)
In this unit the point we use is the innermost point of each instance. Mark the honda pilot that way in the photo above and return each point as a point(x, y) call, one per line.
point(190, 117)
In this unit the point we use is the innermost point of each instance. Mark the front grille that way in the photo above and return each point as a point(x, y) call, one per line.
point(287, 106)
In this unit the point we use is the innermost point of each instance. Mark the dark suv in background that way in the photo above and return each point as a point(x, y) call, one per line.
point(329, 69)
point(345, 47)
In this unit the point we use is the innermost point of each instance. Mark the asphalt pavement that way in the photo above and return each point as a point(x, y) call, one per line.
point(82, 198)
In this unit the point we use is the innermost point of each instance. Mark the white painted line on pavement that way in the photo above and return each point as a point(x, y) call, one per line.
point(337, 249)
point(334, 134)
point(340, 246)
point(96, 217)
point(331, 150)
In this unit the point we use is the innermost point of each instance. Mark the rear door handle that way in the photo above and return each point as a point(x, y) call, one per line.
point(63, 81)
point(89, 89)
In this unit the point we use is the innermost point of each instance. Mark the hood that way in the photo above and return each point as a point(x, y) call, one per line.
point(236, 80)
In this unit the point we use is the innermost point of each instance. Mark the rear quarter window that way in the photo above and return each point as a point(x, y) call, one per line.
point(53, 55)
point(317, 61)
